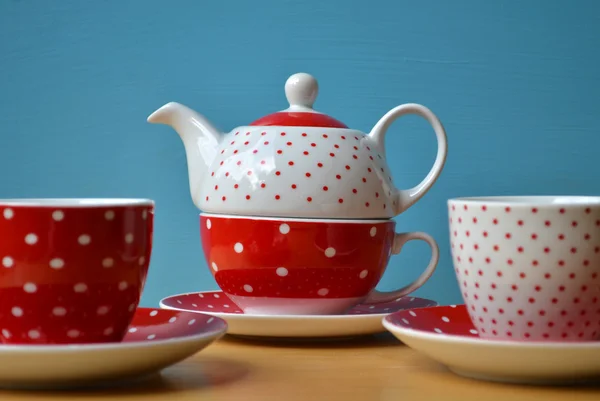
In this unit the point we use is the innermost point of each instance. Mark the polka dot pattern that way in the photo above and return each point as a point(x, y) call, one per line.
point(296, 259)
point(57, 263)
point(59, 311)
point(449, 320)
point(169, 324)
point(8, 213)
point(299, 172)
point(7, 261)
point(528, 273)
point(219, 302)
point(65, 264)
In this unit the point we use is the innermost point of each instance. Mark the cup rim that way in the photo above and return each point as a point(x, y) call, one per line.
point(530, 200)
point(296, 219)
point(80, 203)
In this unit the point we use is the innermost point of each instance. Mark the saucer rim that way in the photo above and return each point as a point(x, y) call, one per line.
point(477, 341)
point(284, 317)
point(207, 334)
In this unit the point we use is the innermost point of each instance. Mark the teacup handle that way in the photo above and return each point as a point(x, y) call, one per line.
point(399, 240)
point(405, 198)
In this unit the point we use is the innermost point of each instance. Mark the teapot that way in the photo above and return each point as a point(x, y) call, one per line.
point(297, 162)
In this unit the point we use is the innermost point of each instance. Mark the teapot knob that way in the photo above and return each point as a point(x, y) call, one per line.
point(301, 90)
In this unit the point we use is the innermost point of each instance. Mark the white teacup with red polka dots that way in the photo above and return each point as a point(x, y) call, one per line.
point(529, 267)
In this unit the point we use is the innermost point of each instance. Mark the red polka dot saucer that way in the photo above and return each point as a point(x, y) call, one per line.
point(364, 319)
point(156, 339)
point(446, 334)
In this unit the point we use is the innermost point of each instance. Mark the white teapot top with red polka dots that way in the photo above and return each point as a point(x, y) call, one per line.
point(297, 162)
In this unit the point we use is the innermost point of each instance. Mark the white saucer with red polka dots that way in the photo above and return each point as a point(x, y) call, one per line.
point(446, 334)
point(364, 319)
point(155, 339)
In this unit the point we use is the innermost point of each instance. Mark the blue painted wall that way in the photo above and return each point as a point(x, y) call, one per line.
point(516, 85)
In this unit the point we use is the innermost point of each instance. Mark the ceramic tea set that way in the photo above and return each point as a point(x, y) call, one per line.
point(297, 207)
point(297, 230)
point(528, 269)
point(72, 272)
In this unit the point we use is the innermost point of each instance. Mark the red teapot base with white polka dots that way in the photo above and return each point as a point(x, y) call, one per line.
point(72, 270)
point(304, 266)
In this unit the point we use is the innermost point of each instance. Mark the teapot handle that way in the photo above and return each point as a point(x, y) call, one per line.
point(407, 197)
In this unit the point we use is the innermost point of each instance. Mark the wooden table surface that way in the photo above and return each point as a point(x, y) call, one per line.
point(375, 368)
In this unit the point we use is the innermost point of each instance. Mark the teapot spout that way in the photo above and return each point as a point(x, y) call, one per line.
point(200, 138)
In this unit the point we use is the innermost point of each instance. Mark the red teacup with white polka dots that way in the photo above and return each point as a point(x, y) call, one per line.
point(304, 266)
point(529, 267)
point(72, 270)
